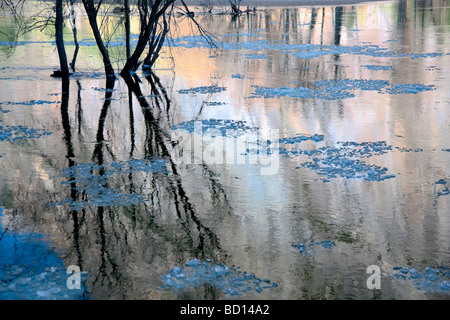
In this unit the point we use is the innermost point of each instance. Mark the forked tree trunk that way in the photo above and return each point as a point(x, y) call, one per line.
point(155, 44)
point(158, 9)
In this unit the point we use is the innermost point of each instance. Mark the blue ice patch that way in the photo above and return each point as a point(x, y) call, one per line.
point(430, 280)
point(444, 192)
point(237, 76)
point(20, 134)
point(302, 248)
point(92, 181)
point(30, 269)
point(231, 281)
point(340, 89)
point(202, 90)
point(442, 183)
point(377, 67)
point(220, 127)
point(409, 88)
point(344, 161)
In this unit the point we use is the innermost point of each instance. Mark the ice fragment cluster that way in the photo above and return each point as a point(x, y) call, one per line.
point(431, 279)
point(92, 180)
point(302, 248)
point(230, 280)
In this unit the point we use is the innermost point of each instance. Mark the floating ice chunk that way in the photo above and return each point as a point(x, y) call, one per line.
point(340, 89)
point(237, 76)
point(409, 88)
point(327, 244)
point(425, 55)
point(431, 279)
point(203, 90)
point(352, 84)
point(230, 280)
point(335, 165)
point(445, 285)
point(377, 67)
point(27, 103)
point(20, 134)
point(92, 180)
point(31, 269)
point(223, 127)
point(214, 103)
point(409, 150)
point(301, 247)
point(300, 138)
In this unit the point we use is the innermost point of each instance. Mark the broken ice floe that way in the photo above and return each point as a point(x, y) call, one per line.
point(214, 103)
point(303, 51)
point(300, 92)
point(237, 76)
point(444, 190)
point(215, 127)
point(377, 67)
point(202, 90)
point(230, 280)
point(340, 161)
point(30, 269)
point(340, 89)
point(3, 110)
point(344, 160)
point(431, 279)
point(92, 181)
point(409, 88)
point(302, 248)
point(20, 134)
point(23, 103)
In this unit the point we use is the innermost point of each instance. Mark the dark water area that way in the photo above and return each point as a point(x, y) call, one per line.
point(309, 145)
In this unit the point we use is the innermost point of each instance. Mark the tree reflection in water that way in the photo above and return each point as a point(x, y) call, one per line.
point(113, 233)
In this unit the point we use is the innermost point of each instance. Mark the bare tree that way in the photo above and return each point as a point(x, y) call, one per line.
point(151, 13)
point(92, 8)
point(74, 32)
point(235, 6)
point(59, 19)
point(23, 22)
point(154, 17)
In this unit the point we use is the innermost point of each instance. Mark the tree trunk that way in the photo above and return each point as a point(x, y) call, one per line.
point(127, 27)
point(60, 39)
point(92, 16)
point(75, 38)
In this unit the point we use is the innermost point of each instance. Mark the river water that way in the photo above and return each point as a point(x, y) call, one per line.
point(310, 144)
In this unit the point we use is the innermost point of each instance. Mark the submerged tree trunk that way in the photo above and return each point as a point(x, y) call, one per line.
point(92, 12)
point(59, 38)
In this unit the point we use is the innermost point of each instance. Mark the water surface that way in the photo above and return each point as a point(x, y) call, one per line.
point(345, 107)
